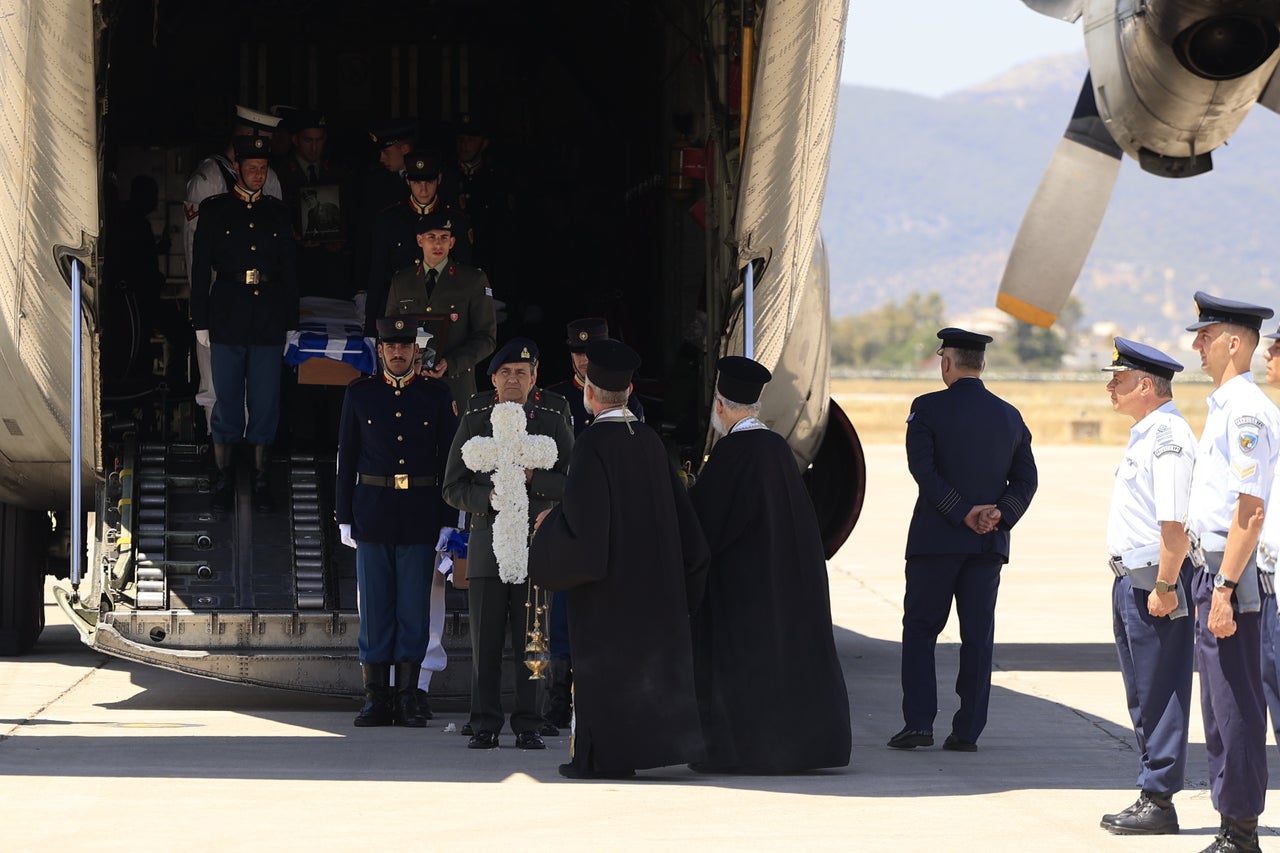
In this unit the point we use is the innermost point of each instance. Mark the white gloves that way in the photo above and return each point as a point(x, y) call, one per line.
point(202, 337)
point(344, 531)
point(291, 338)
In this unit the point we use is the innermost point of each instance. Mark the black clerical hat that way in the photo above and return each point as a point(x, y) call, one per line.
point(1214, 309)
point(741, 379)
point(397, 330)
point(252, 148)
point(421, 166)
point(960, 339)
point(610, 364)
point(296, 121)
point(1131, 355)
point(436, 220)
point(584, 331)
point(515, 350)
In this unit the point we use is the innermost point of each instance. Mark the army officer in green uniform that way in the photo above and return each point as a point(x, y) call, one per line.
point(456, 301)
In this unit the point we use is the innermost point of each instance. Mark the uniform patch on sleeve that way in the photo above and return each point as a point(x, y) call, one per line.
point(1248, 441)
point(1165, 449)
point(1250, 428)
point(191, 210)
point(1244, 469)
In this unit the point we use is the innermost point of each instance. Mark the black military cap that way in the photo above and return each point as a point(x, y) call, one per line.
point(586, 330)
point(741, 379)
point(255, 119)
point(1131, 355)
point(397, 330)
point(470, 124)
point(611, 364)
point(299, 120)
point(960, 339)
point(252, 148)
point(514, 351)
point(1214, 309)
point(436, 220)
point(393, 132)
point(421, 165)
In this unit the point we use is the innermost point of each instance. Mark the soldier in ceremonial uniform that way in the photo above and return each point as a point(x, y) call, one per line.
point(244, 303)
point(215, 175)
point(1147, 541)
point(1235, 466)
point(626, 544)
point(456, 295)
point(394, 438)
point(970, 454)
point(496, 607)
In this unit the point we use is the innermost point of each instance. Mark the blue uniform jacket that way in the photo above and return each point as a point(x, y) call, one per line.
point(387, 430)
point(966, 446)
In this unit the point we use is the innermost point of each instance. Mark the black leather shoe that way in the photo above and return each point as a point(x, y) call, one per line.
point(483, 740)
point(1236, 837)
point(907, 739)
point(467, 731)
point(569, 771)
point(529, 740)
point(549, 730)
point(1145, 817)
point(954, 744)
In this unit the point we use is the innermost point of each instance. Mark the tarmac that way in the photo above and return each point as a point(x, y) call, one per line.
point(97, 753)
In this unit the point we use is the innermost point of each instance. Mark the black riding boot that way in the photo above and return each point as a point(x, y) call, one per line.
point(224, 482)
point(262, 500)
point(376, 710)
point(407, 710)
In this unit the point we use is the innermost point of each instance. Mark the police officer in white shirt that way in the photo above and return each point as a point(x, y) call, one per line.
point(1148, 543)
point(1268, 551)
point(1235, 466)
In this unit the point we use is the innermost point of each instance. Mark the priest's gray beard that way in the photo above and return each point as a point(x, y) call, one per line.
point(717, 423)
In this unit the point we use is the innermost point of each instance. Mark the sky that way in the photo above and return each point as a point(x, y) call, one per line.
point(931, 47)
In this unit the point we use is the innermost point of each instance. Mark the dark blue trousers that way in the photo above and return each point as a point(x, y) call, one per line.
point(1156, 663)
point(1234, 710)
point(246, 374)
point(395, 601)
point(558, 625)
point(933, 580)
point(1271, 660)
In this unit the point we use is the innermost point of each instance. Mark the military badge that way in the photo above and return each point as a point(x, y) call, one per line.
point(453, 318)
point(1248, 441)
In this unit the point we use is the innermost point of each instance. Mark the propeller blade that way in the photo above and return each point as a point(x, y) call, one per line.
point(1062, 221)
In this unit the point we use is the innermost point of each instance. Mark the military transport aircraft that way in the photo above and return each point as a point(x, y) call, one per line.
point(666, 148)
point(1169, 81)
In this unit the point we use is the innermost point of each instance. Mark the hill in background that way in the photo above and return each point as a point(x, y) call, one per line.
point(926, 194)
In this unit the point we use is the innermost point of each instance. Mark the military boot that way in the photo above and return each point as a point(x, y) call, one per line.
point(1236, 836)
point(262, 500)
point(224, 482)
point(1152, 814)
point(407, 711)
point(376, 710)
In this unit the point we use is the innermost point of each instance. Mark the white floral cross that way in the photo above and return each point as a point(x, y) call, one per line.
point(505, 456)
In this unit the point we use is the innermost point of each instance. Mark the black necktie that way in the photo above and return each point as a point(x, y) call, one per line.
point(311, 172)
point(431, 281)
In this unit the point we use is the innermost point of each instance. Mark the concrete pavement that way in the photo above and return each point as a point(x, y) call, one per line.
point(99, 752)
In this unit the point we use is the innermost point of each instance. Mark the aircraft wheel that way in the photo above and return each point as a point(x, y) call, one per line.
point(837, 480)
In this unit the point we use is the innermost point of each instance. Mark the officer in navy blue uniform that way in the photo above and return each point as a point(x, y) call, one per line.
point(1235, 467)
point(970, 454)
point(244, 302)
point(1148, 544)
point(393, 442)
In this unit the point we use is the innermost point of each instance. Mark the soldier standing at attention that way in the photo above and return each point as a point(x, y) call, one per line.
point(244, 303)
point(1235, 466)
point(393, 441)
point(1147, 540)
point(970, 454)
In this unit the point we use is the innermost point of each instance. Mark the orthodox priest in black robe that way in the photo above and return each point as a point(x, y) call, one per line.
point(770, 689)
point(626, 545)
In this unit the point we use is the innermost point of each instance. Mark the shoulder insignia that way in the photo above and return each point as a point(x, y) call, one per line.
point(1244, 469)
point(1162, 428)
point(1247, 441)
point(191, 211)
point(1166, 449)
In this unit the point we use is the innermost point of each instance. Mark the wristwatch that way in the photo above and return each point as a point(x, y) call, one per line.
point(1162, 587)
point(1219, 582)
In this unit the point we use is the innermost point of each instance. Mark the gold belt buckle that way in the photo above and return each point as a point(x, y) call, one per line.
point(250, 276)
point(402, 481)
